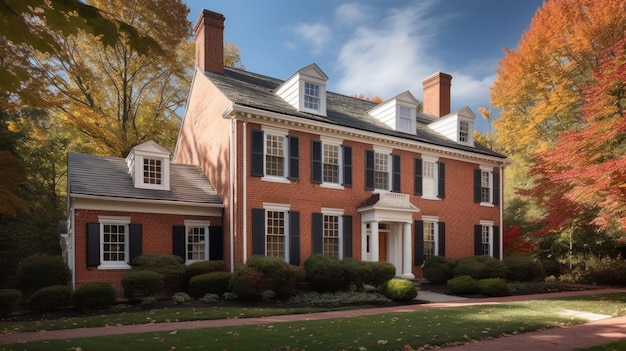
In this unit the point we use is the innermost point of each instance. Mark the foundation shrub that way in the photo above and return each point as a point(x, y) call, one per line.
point(203, 267)
point(380, 272)
point(327, 274)
point(93, 296)
point(39, 271)
point(480, 267)
point(493, 287)
point(209, 283)
point(51, 298)
point(139, 284)
point(355, 272)
point(170, 267)
point(10, 300)
point(463, 285)
point(438, 269)
point(261, 273)
point(524, 269)
point(399, 289)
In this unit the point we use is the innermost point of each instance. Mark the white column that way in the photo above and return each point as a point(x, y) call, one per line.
point(374, 241)
point(407, 265)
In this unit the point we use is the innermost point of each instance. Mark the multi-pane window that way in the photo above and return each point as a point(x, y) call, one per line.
point(429, 180)
point(311, 96)
point(196, 243)
point(429, 240)
point(114, 243)
point(331, 163)
point(331, 236)
point(274, 155)
point(485, 186)
point(404, 119)
point(381, 171)
point(464, 131)
point(152, 171)
point(486, 240)
point(275, 234)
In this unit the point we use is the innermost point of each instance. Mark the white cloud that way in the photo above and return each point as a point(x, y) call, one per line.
point(352, 14)
point(315, 36)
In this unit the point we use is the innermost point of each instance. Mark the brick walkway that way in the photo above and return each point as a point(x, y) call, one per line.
point(565, 338)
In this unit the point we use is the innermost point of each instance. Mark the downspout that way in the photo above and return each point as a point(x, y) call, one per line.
point(233, 179)
point(245, 191)
point(501, 211)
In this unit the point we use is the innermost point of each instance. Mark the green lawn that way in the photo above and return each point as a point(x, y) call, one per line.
point(394, 331)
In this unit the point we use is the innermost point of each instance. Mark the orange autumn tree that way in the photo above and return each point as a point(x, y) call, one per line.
point(586, 169)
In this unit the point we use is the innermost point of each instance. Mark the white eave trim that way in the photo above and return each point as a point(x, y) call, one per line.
point(145, 201)
point(310, 126)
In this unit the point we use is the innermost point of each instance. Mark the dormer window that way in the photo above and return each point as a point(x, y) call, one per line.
point(311, 96)
point(456, 126)
point(306, 90)
point(405, 117)
point(399, 113)
point(463, 131)
point(149, 166)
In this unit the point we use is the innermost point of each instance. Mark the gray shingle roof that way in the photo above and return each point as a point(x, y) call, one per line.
point(108, 176)
point(254, 90)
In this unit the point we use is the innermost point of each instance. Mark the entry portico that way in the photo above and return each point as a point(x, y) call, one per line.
point(386, 220)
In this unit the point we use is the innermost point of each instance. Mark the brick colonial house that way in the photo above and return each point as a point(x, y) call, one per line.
point(285, 168)
point(302, 170)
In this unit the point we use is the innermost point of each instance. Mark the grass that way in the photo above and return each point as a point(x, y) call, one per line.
point(614, 346)
point(393, 331)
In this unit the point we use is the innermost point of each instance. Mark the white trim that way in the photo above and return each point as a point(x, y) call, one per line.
point(271, 206)
point(331, 141)
point(114, 219)
point(87, 202)
point(430, 218)
point(488, 223)
point(382, 149)
point(332, 211)
point(276, 131)
point(119, 221)
point(196, 223)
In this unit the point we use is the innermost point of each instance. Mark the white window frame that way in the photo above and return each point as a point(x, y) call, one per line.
point(269, 131)
point(139, 179)
point(117, 221)
point(464, 133)
point(434, 187)
point(487, 225)
point(384, 152)
point(334, 212)
point(406, 122)
point(316, 99)
point(285, 208)
point(486, 171)
point(434, 221)
point(338, 144)
point(191, 224)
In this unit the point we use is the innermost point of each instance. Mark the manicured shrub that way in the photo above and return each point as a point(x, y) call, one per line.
point(355, 272)
point(523, 269)
point(51, 298)
point(493, 287)
point(399, 289)
point(139, 284)
point(10, 300)
point(209, 283)
point(325, 273)
point(463, 285)
point(170, 267)
point(480, 267)
point(261, 273)
point(605, 271)
point(93, 296)
point(180, 298)
point(203, 267)
point(438, 269)
point(380, 272)
point(38, 271)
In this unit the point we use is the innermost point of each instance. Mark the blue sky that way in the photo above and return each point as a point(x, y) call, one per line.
point(378, 47)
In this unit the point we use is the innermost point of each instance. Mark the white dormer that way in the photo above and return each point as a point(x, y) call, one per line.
point(306, 90)
point(149, 166)
point(457, 126)
point(399, 113)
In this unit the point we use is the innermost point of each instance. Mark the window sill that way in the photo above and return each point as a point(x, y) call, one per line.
point(487, 204)
point(434, 198)
point(332, 186)
point(112, 266)
point(276, 179)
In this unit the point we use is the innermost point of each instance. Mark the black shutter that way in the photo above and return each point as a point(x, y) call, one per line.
point(496, 188)
point(134, 241)
point(178, 241)
point(496, 242)
point(477, 185)
point(216, 243)
point(396, 183)
point(441, 239)
point(347, 236)
point(317, 228)
point(294, 157)
point(369, 170)
point(417, 170)
point(93, 244)
point(294, 237)
point(478, 240)
point(441, 185)
point(256, 169)
point(258, 231)
point(316, 161)
point(347, 165)
point(418, 243)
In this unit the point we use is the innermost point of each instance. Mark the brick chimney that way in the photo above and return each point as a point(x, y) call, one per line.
point(209, 31)
point(437, 94)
